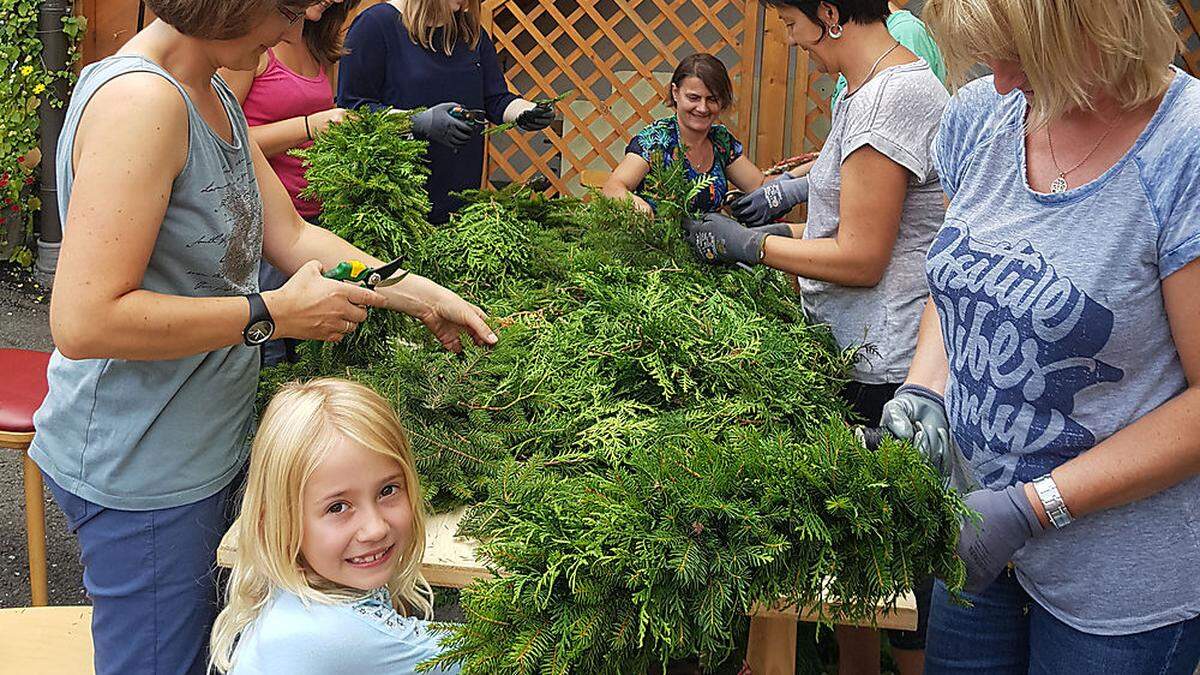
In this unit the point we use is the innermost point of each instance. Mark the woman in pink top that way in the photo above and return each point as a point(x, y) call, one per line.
point(288, 101)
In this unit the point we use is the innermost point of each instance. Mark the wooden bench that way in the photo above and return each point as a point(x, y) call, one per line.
point(450, 563)
point(46, 640)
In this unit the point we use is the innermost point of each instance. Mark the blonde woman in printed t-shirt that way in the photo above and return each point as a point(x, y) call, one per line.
point(1059, 357)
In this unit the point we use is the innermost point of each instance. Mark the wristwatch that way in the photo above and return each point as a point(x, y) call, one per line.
point(1052, 501)
point(261, 326)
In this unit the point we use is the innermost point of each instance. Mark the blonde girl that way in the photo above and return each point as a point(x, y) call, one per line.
point(1059, 357)
point(330, 541)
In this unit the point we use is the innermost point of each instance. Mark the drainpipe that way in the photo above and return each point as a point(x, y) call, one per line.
point(54, 55)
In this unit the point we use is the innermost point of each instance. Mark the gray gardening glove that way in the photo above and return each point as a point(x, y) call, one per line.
point(771, 201)
point(918, 414)
point(1008, 521)
point(720, 239)
point(438, 125)
point(536, 118)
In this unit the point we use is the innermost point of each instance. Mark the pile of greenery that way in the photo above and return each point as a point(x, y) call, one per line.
point(369, 177)
point(653, 448)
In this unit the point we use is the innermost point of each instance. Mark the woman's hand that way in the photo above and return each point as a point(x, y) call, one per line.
point(529, 116)
point(443, 312)
point(438, 125)
point(318, 122)
point(1006, 521)
point(536, 118)
point(311, 307)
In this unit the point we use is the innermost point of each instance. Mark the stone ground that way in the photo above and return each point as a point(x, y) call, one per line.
point(24, 323)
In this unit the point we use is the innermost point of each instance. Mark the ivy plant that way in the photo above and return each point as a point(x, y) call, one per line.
point(25, 82)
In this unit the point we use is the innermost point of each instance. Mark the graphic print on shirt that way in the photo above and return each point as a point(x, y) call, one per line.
point(1024, 341)
point(239, 210)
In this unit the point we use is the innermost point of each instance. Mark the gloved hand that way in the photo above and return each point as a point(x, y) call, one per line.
point(719, 239)
point(1008, 521)
point(536, 118)
point(918, 414)
point(771, 201)
point(438, 125)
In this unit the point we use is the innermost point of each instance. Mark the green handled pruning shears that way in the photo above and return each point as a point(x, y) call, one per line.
point(354, 272)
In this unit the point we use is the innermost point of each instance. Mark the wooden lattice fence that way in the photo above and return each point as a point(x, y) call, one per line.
point(617, 54)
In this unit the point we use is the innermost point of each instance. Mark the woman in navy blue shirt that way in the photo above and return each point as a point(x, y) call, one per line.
point(421, 53)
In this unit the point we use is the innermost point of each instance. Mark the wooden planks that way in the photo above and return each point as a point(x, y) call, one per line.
point(46, 640)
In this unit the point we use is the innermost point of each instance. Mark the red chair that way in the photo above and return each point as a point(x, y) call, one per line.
point(22, 389)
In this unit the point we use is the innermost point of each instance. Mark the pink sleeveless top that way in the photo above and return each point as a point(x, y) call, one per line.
point(280, 94)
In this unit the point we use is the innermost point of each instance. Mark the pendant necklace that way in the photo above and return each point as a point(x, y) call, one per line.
point(871, 73)
point(1059, 184)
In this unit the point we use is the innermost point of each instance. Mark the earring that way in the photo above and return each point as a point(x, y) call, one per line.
point(835, 31)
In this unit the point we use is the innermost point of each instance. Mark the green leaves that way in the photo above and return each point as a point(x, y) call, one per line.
point(24, 82)
point(652, 448)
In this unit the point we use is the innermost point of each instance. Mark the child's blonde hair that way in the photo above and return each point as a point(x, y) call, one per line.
point(300, 426)
point(1067, 48)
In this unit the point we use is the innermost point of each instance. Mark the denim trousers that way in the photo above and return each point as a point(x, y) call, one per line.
point(151, 579)
point(1006, 631)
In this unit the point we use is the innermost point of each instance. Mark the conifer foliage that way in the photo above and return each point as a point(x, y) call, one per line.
point(653, 448)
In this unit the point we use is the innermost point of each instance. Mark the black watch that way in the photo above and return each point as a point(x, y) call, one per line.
point(261, 326)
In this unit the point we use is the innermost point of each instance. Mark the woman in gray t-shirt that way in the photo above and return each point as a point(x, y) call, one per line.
point(875, 204)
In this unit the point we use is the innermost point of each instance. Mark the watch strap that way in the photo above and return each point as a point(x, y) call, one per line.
point(258, 314)
point(1052, 501)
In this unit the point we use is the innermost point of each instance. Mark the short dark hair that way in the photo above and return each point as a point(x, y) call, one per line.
point(219, 19)
point(857, 11)
point(710, 71)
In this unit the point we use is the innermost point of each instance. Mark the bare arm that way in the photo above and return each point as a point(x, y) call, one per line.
point(929, 367)
point(277, 138)
point(118, 200)
point(1160, 449)
point(627, 176)
point(291, 243)
point(745, 175)
point(873, 192)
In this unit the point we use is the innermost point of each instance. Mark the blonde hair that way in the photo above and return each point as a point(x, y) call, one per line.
point(423, 17)
point(301, 424)
point(1069, 49)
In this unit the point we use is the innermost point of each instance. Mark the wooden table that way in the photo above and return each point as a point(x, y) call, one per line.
point(450, 563)
point(46, 640)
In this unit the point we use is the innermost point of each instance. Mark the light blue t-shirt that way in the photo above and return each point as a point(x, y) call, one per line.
point(1052, 313)
point(354, 637)
point(139, 435)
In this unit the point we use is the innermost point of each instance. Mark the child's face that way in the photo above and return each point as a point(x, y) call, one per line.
point(357, 517)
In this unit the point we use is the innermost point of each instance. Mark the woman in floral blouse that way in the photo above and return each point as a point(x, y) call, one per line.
point(700, 90)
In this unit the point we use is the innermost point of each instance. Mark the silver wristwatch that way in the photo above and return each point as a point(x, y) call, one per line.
point(1047, 491)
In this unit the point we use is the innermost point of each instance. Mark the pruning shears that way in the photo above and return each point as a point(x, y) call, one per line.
point(473, 116)
point(354, 272)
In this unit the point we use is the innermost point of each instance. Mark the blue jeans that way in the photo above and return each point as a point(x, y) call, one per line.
point(150, 576)
point(1007, 632)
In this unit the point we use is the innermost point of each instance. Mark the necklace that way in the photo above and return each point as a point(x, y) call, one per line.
point(1059, 185)
point(871, 72)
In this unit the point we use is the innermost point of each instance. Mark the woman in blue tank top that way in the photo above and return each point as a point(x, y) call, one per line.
point(168, 208)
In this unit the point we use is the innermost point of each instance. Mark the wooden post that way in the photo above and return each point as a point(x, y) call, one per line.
point(771, 649)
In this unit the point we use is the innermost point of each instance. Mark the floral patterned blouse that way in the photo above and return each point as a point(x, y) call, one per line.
point(663, 135)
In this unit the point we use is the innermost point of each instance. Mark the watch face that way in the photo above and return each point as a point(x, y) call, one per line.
point(259, 332)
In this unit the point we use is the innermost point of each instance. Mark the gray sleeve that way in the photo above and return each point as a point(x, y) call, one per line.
point(898, 116)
